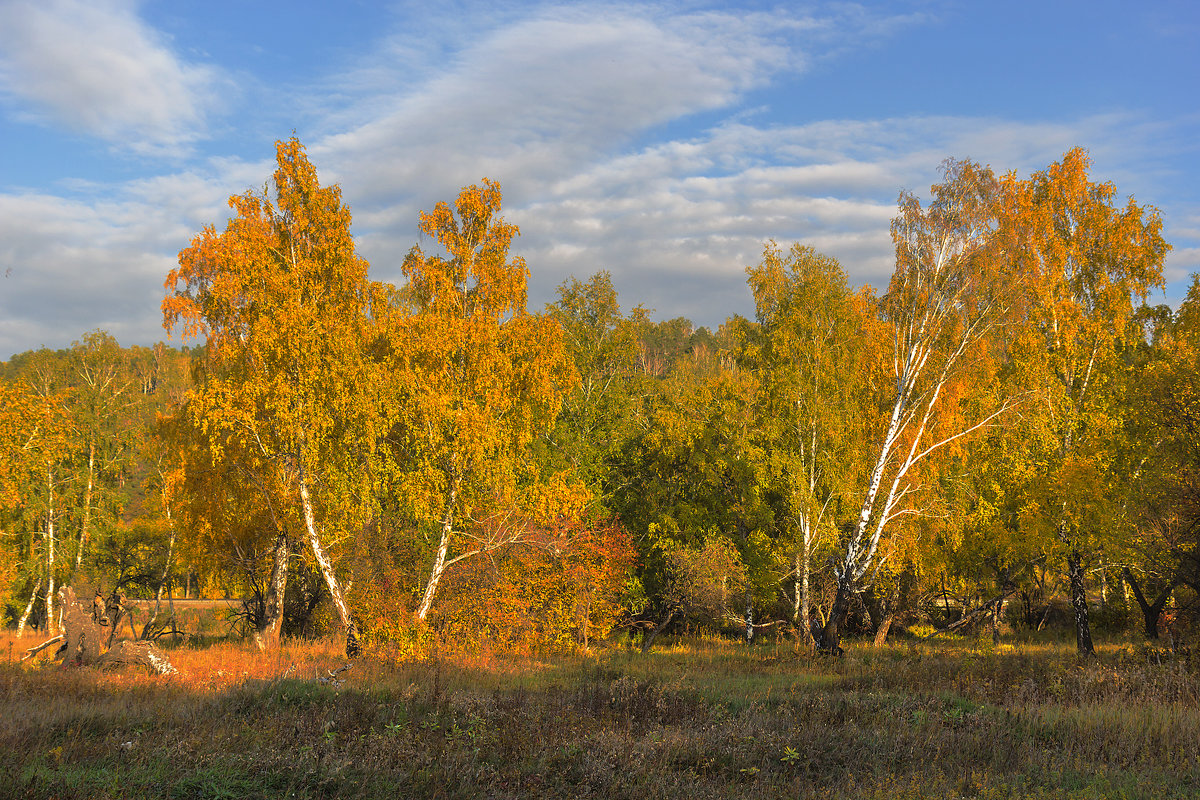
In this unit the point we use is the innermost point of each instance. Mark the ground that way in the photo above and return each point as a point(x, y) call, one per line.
point(696, 718)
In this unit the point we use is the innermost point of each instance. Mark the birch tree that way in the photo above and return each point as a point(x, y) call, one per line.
point(285, 307)
point(945, 297)
point(812, 351)
point(476, 379)
point(1084, 265)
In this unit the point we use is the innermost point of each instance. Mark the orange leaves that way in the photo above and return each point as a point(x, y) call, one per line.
point(476, 277)
point(476, 378)
point(563, 586)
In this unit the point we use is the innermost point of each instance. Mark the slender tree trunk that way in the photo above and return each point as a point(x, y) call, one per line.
point(87, 509)
point(797, 589)
point(803, 585)
point(1083, 631)
point(331, 581)
point(997, 610)
point(50, 554)
point(267, 637)
point(28, 608)
point(749, 593)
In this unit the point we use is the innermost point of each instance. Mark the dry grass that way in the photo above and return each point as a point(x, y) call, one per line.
point(707, 718)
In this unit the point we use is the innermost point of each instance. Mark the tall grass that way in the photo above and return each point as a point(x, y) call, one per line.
point(698, 718)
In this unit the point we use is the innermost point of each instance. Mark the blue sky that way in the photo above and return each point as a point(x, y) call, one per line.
point(663, 142)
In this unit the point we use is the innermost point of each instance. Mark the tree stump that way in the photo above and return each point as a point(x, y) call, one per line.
point(86, 637)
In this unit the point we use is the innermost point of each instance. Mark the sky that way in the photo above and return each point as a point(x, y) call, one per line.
point(662, 142)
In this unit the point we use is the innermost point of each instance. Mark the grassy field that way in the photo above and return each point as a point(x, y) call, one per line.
point(698, 718)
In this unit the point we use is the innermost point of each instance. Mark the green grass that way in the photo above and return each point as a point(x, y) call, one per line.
point(697, 718)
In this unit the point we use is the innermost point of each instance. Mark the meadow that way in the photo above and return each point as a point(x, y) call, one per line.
point(702, 717)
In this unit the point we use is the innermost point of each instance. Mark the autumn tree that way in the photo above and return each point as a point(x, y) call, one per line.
point(284, 305)
point(704, 582)
point(33, 438)
point(812, 350)
point(475, 379)
point(1084, 264)
point(1168, 519)
point(943, 300)
point(693, 470)
point(103, 410)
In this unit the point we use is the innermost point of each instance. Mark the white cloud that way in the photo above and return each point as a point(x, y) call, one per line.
point(95, 67)
point(68, 265)
point(574, 112)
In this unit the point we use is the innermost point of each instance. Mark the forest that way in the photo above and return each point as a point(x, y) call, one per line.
point(1005, 436)
point(937, 540)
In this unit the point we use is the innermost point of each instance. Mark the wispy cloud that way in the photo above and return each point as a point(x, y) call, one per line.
point(95, 67)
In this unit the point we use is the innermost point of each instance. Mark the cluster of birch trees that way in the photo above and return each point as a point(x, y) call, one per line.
point(1009, 422)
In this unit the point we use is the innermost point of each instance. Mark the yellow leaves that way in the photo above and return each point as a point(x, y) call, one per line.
point(476, 277)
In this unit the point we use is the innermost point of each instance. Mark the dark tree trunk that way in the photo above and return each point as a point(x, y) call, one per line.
point(653, 634)
point(882, 630)
point(881, 611)
point(831, 635)
point(1151, 612)
point(1083, 630)
point(997, 610)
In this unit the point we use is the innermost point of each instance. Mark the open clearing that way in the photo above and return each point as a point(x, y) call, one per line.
point(699, 718)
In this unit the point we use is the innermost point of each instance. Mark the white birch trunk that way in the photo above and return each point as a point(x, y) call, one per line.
point(50, 626)
point(87, 508)
point(439, 560)
point(28, 609)
point(314, 541)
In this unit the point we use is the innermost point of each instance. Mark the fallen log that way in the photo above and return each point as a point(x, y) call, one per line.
point(967, 619)
point(33, 651)
point(142, 654)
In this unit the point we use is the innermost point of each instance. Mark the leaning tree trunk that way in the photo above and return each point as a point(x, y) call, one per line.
point(653, 634)
point(1083, 631)
point(331, 582)
point(885, 626)
point(28, 608)
point(882, 611)
point(439, 560)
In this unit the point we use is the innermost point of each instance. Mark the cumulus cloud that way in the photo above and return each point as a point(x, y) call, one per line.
point(97, 68)
point(579, 114)
point(676, 223)
point(73, 264)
